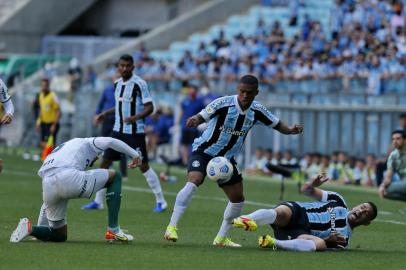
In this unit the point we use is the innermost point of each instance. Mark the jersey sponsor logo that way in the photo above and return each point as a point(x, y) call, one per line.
point(196, 164)
point(332, 219)
point(248, 122)
point(232, 131)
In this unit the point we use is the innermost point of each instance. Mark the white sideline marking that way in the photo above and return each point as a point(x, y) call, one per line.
point(391, 221)
point(218, 199)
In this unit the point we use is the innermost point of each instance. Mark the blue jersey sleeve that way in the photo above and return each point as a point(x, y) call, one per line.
point(211, 110)
point(333, 196)
point(145, 95)
point(263, 116)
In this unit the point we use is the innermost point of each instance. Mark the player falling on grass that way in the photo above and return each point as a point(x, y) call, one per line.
point(229, 120)
point(64, 177)
point(5, 99)
point(133, 104)
point(310, 226)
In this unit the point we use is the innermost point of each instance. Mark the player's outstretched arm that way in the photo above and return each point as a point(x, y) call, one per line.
point(194, 121)
point(310, 188)
point(101, 116)
point(103, 143)
point(284, 129)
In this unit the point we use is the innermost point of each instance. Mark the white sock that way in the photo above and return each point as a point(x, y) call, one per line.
point(42, 217)
point(263, 216)
point(155, 186)
point(296, 245)
point(232, 211)
point(100, 196)
point(182, 201)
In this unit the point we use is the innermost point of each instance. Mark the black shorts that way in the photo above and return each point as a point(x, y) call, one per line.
point(298, 225)
point(46, 132)
point(133, 140)
point(189, 135)
point(199, 160)
point(107, 127)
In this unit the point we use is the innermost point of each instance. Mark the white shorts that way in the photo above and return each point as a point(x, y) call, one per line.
point(67, 184)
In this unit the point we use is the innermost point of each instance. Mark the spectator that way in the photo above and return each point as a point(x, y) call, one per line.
point(396, 165)
point(370, 169)
point(258, 162)
point(190, 106)
point(75, 76)
point(289, 159)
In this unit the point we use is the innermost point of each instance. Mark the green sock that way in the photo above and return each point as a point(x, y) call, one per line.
point(45, 233)
point(113, 198)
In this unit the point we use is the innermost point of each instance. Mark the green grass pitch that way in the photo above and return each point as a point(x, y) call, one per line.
point(379, 246)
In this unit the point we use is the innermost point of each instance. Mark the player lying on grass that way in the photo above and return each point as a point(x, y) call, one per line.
point(310, 226)
point(64, 177)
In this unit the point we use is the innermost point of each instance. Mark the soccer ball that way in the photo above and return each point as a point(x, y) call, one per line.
point(219, 169)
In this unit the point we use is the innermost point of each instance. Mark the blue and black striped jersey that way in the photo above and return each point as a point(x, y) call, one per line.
point(228, 126)
point(328, 216)
point(130, 98)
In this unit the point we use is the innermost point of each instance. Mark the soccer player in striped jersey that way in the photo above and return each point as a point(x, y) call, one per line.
point(133, 105)
point(229, 120)
point(5, 99)
point(310, 226)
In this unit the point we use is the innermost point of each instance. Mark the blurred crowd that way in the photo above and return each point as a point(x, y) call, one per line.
point(339, 166)
point(363, 51)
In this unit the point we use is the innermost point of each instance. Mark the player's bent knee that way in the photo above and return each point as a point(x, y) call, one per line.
point(283, 215)
point(195, 178)
point(113, 175)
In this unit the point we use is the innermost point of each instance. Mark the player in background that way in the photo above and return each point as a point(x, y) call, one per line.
point(229, 120)
point(106, 102)
point(5, 99)
point(64, 177)
point(310, 226)
point(49, 113)
point(133, 103)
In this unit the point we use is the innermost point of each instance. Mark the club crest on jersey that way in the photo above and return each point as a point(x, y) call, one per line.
point(195, 164)
point(248, 122)
point(209, 109)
